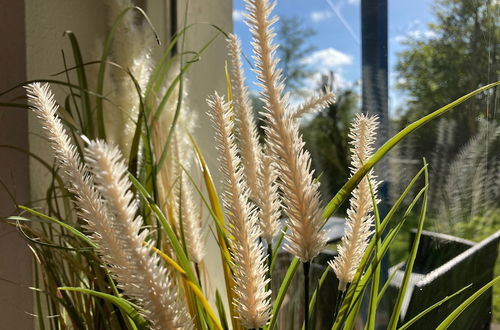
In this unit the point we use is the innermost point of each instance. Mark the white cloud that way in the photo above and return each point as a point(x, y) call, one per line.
point(327, 59)
point(323, 61)
point(416, 35)
point(353, 2)
point(238, 15)
point(318, 16)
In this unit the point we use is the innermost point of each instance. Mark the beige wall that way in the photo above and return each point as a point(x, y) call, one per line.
point(44, 24)
point(15, 258)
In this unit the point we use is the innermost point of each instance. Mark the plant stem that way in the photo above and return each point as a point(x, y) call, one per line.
point(197, 269)
point(269, 262)
point(307, 266)
point(338, 303)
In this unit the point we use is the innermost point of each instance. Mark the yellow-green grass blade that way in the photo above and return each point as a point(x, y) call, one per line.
point(221, 231)
point(176, 245)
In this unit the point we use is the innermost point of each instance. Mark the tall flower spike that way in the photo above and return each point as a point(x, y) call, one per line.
point(269, 201)
point(90, 205)
point(141, 275)
point(252, 300)
point(305, 237)
point(359, 220)
point(193, 227)
point(248, 138)
point(131, 49)
point(78, 180)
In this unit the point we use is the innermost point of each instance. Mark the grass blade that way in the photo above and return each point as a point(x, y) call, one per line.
point(356, 289)
point(411, 260)
point(221, 235)
point(130, 309)
point(452, 317)
point(282, 292)
point(82, 83)
point(372, 306)
point(221, 310)
point(427, 310)
point(69, 228)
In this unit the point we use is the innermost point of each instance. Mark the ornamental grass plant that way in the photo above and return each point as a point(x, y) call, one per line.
point(120, 243)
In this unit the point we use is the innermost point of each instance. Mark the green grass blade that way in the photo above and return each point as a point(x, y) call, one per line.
point(372, 306)
point(221, 310)
point(386, 286)
point(130, 309)
point(427, 310)
point(282, 291)
point(38, 302)
point(69, 228)
point(346, 189)
point(176, 245)
point(82, 83)
point(453, 316)
point(393, 322)
point(276, 249)
point(314, 297)
point(362, 277)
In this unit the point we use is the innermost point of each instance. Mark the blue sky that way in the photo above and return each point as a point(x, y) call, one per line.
point(338, 33)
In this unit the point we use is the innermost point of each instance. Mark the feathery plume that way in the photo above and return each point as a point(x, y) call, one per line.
point(252, 300)
point(315, 103)
point(192, 225)
point(90, 206)
point(88, 201)
point(305, 237)
point(269, 202)
point(248, 139)
point(131, 49)
point(141, 275)
point(359, 220)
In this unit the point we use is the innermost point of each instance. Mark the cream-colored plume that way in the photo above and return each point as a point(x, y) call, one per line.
point(131, 49)
point(316, 103)
point(269, 201)
point(359, 219)
point(248, 138)
point(192, 224)
point(109, 234)
point(252, 300)
point(141, 275)
point(305, 237)
point(76, 176)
